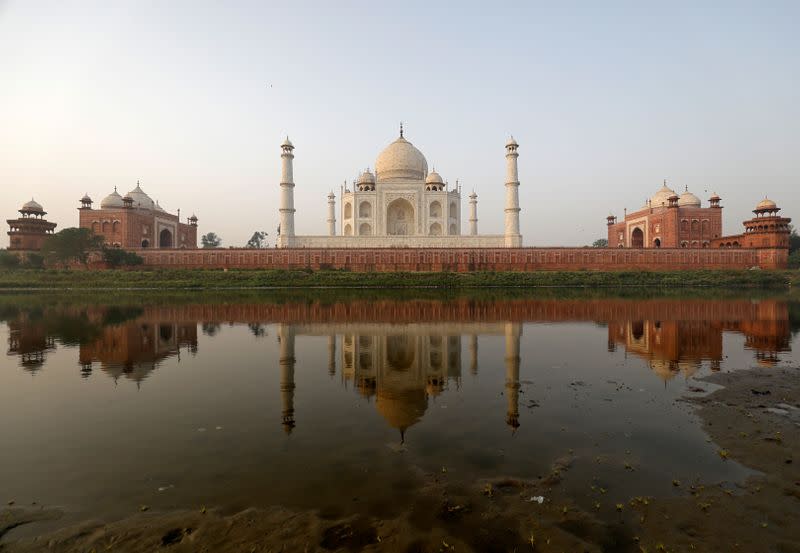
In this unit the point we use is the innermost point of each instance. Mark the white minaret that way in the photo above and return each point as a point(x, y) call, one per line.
point(331, 214)
point(473, 214)
point(513, 237)
point(287, 195)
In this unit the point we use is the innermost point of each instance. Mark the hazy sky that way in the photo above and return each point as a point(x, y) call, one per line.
point(193, 98)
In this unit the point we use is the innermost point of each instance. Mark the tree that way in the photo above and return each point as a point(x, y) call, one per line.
point(115, 257)
point(71, 244)
point(258, 240)
point(8, 260)
point(794, 241)
point(600, 243)
point(210, 240)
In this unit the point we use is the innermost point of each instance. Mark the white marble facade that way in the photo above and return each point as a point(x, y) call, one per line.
point(401, 205)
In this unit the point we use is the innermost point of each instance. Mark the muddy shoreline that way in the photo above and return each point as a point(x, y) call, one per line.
point(754, 420)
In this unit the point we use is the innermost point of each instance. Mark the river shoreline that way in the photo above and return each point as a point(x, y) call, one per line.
point(754, 419)
point(30, 279)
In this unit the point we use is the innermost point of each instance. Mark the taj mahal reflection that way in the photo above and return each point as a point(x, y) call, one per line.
point(402, 368)
point(403, 355)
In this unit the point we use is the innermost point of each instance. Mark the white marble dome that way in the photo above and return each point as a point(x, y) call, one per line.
point(32, 206)
point(112, 200)
point(400, 160)
point(140, 199)
point(366, 177)
point(662, 196)
point(434, 178)
point(687, 199)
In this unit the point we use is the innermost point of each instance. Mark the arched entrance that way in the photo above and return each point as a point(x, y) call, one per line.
point(657, 243)
point(145, 243)
point(637, 238)
point(165, 239)
point(400, 218)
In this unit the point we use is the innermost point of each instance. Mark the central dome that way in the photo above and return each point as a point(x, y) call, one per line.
point(400, 160)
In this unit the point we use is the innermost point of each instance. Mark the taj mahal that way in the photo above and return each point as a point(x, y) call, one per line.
point(401, 205)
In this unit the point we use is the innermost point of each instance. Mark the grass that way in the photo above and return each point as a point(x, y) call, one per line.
point(184, 279)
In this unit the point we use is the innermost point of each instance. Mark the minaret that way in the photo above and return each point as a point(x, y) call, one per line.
point(331, 214)
point(513, 332)
point(473, 214)
point(513, 237)
point(287, 195)
point(286, 362)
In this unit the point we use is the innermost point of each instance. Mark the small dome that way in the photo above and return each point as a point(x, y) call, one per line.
point(687, 199)
point(365, 178)
point(714, 197)
point(401, 160)
point(86, 199)
point(511, 142)
point(287, 143)
point(434, 178)
point(662, 196)
point(193, 217)
point(766, 203)
point(473, 196)
point(32, 207)
point(140, 198)
point(112, 200)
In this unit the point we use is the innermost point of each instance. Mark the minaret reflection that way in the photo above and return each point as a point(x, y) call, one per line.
point(512, 360)
point(287, 362)
point(473, 354)
point(332, 354)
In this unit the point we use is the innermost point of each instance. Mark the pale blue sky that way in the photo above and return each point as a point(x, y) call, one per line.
point(605, 98)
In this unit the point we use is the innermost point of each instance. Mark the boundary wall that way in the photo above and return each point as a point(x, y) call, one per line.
point(468, 259)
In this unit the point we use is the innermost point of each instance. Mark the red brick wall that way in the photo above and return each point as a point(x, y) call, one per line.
point(466, 259)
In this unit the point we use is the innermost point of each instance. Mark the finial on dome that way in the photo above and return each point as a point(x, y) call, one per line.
point(401, 129)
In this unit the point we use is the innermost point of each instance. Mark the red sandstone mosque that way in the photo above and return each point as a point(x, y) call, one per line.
point(668, 220)
point(135, 221)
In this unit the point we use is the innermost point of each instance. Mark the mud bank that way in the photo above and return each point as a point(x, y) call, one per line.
point(754, 420)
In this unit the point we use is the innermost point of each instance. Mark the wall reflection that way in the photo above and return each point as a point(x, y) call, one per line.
point(401, 354)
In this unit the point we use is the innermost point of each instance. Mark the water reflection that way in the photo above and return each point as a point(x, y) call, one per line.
point(402, 354)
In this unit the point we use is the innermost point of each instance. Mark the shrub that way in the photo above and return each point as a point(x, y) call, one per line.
point(8, 260)
point(794, 260)
point(34, 261)
point(115, 257)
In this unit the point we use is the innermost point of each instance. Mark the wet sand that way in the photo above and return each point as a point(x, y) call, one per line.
point(754, 420)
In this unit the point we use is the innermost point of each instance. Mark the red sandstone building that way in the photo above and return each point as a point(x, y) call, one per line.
point(668, 221)
point(136, 221)
point(29, 231)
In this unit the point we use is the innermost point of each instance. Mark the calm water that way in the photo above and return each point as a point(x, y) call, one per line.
point(336, 403)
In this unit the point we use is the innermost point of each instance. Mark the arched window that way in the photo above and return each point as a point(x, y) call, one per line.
point(165, 239)
point(348, 211)
point(365, 210)
point(348, 230)
point(705, 226)
point(637, 238)
point(685, 226)
point(453, 209)
point(105, 226)
point(684, 244)
point(695, 226)
point(435, 209)
point(453, 229)
point(365, 229)
point(657, 243)
point(145, 243)
point(436, 229)
point(115, 227)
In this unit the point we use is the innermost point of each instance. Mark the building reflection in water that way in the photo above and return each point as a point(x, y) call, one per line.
point(133, 350)
point(404, 354)
point(673, 347)
point(402, 367)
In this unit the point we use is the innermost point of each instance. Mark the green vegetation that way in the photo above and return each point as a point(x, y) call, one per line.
point(211, 240)
point(219, 279)
point(8, 260)
point(258, 240)
point(71, 245)
point(114, 257)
